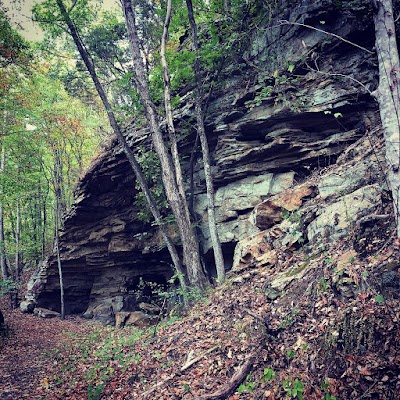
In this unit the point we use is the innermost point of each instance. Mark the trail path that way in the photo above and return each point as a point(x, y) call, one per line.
point(27, 356)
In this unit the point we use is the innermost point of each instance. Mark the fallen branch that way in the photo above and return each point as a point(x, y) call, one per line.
point(237, 378)
point(192, 361)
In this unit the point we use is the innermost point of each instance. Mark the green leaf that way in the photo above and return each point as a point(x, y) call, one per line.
point(269, 374)
point(322, 22)
point(379, 299)
point(338, 115)
point(291, 68)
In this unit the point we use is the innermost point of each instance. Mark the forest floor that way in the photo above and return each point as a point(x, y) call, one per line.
point(27, 352)
point(333, 334)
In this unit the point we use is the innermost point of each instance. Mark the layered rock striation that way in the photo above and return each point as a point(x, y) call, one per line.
point(289, 107)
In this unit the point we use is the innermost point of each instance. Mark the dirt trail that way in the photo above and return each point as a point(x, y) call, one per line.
point(27, 355)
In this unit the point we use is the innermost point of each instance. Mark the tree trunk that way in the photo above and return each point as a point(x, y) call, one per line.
point(18, 263)
point(178, 204)
point(44, 227)
point(121, 138)
point(3, 259)
point(60, 272)
point(167, 102)
point(388, 94)
point(212, 222)
point(168, 108)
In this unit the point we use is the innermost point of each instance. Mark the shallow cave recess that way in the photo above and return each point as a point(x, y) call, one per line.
point(124, 285)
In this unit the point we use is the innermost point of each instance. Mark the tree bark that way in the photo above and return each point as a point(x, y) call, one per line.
point(121, 138)
point(388, 94)
point(167, 101)
point(178, 204)
point(3, 259)
point(212, 221)
point(168, 112)
point(18, 261)
point(60, 272)
point(237, 378)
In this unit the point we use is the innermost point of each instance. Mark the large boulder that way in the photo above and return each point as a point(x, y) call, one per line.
point(44, 313)
point(134, 318)
point(27, 306)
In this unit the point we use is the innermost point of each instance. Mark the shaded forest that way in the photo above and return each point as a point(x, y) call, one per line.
point(219, 181)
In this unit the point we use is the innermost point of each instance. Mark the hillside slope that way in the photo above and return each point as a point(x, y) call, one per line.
point(316, 320)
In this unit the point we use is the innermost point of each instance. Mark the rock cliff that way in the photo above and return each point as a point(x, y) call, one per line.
point(295, 143)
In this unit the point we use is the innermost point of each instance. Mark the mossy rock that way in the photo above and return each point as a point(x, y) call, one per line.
point(285, 277)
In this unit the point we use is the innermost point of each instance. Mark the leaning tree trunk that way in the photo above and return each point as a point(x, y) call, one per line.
point(121, 138)
point(178, 204)
point(388, 94)
point(212, 221)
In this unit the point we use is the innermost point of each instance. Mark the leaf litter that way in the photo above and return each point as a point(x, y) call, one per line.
point(331, 334)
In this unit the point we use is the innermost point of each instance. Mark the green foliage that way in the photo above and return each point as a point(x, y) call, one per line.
point(248, 386)
point(274, 87)
point(293, 389)
point(323, 285)
point(328, 396)
point(7, 285)
point(103, 349)
point(290, 354)
point(41, 123)
point(13, 46)
point(150, 165)
point(177, 297)
point(292, 216)
point(268, 375)
point(379, 299)
point(47, 13)
point(289, 318)
point(325, 387)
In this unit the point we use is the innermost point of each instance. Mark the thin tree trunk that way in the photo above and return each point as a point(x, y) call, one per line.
point(212, 222)
point(18, 264)
point(60, 272)
point(167, 102)
point(3, 260)
point(178, 204)
point(121, 138)
point(44, 227)
point(388, 94)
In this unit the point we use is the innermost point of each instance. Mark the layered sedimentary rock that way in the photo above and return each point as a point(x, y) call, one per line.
point(269, 127)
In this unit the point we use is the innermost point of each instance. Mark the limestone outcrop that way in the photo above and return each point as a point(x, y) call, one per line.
point(270, 129)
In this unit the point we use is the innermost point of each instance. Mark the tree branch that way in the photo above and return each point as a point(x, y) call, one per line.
point(285, 22)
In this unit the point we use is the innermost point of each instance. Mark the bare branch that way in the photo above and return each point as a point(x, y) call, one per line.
point(285, 22)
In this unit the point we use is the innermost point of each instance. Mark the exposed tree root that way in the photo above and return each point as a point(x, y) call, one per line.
point(233, 383)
